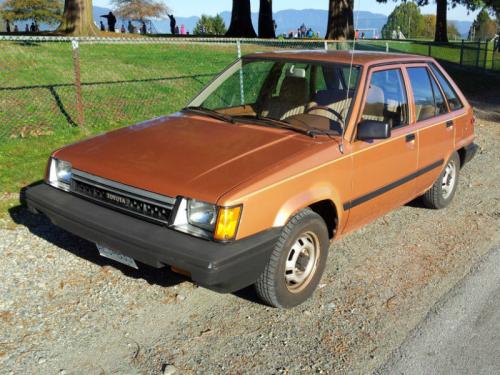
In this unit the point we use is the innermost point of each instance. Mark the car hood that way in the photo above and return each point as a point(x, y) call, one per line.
point(184, 154)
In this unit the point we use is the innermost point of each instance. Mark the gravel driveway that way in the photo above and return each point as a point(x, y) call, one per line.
point(63, 309)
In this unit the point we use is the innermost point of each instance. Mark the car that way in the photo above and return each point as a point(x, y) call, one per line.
point(280, 155)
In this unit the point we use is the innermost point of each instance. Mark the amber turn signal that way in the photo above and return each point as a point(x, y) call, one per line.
point(227, 223)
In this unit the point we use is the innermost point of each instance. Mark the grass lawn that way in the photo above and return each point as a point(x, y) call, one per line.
point(122, 84)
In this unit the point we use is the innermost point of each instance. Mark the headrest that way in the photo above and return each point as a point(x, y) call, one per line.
point(293, 87)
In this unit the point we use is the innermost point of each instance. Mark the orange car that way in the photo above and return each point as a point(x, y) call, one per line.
point(278, 156)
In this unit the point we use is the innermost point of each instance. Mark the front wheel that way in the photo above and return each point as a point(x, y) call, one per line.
point(296, 263)
point(443, 190)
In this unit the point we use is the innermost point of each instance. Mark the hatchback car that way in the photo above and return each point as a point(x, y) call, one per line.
point(277, 157)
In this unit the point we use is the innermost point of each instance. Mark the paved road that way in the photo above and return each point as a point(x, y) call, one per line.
point(461, 335)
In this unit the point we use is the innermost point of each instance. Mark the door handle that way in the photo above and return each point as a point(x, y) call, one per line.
point(410, 137)
point(449, 123)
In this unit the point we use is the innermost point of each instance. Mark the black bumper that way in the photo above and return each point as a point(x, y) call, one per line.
point(221, 267)
point(469, 152)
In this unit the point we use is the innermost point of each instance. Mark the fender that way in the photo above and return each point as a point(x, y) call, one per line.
point(316, 193)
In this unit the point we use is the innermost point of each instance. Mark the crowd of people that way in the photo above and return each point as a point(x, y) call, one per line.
point(28, 28)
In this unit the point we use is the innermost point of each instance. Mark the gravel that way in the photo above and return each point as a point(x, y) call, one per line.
point(65, 310)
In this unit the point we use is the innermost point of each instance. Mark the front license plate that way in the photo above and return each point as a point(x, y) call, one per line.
point(116, 256)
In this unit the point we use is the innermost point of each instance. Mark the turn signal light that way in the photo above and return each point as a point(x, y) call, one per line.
point(227, 223)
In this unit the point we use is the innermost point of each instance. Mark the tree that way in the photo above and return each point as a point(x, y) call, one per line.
point(483, 27)
point(405, 17)
point(452, 31)
point(139, 10)
point(207, 25)
point(340, 20)
point(45, 11)
point(266, 22)
point(441, 26)
point(77, 18)
point(241, 20)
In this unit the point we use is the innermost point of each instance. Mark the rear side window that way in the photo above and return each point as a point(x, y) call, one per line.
point(386, 98)
point(452, 97)
point(429, 101)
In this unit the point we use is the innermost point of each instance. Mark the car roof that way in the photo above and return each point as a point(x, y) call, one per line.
point(358, 57)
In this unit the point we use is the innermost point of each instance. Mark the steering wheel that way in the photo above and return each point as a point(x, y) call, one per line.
point(327, 109)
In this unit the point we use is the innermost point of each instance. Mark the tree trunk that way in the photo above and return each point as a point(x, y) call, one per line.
point(266, 23)
point(241, 20)
point(78, 19)
point(340, 20)
point(441, 34)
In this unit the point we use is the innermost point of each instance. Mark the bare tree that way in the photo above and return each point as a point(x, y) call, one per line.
point(266, 22)
point(139, 10)
point(241, 20)
point(340, 20)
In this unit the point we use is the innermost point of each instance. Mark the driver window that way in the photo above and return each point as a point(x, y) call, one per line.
point(386, 99)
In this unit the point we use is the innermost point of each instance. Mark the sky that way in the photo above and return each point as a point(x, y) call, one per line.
point(186, 8)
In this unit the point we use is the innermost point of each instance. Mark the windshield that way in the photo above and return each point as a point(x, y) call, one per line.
point(311, 95)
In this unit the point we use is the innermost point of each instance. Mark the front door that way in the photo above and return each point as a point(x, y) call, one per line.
point(383, 170)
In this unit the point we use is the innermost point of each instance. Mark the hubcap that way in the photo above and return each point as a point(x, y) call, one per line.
point(301, 262)
point(449, 178)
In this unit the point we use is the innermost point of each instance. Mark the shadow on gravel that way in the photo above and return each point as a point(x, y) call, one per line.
point(40, 226)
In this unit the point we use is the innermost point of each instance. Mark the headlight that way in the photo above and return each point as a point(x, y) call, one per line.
point(201, 214)
point(206, 220)
point(60, 173)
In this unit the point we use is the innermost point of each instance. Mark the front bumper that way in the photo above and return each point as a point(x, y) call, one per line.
point(223, 267)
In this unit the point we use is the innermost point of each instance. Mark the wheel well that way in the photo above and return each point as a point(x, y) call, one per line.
point(327, 210)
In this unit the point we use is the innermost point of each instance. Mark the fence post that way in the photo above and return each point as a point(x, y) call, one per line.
point(326, 45)
point(462, 52)
point(478, 52)
point(386, 46)
point(78, 84)
point(242, 89)
point(485, 53)
point(429, 49)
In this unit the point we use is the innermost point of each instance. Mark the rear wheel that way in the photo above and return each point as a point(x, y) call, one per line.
point(443, 190)
point(297, 261)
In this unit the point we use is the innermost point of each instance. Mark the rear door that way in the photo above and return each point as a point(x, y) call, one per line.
point(434, 124)
point(383, 169)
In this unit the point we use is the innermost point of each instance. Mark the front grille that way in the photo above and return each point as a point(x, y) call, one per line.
point(122, 198)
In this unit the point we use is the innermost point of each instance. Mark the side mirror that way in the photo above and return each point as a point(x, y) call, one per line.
point(371, 129)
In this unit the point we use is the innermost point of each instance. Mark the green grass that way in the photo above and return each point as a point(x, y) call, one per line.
point(122, 84)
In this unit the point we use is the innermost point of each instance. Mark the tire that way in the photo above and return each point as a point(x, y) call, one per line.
point(442, 192)
point(297, 261)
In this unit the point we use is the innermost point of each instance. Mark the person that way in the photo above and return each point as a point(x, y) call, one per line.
point(7, 26)
point(26, 28)
point(103, 28)
point(111, 21)
point(275, 25)
point(176, 30)
point(16, 29)
point(183, 29)
point(37, 27)
point(32, 27)
point(122, 29)
point(356, 34)
point(173, 23)
point(363, 35)
point(130, 27)
point(143, 28)
point(303, 31)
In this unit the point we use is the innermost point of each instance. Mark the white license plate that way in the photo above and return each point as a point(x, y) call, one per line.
point(116, 256)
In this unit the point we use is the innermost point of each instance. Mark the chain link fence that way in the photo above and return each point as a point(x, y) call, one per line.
point(49, 83)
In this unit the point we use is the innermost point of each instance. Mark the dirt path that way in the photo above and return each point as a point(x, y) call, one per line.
point(63, 309)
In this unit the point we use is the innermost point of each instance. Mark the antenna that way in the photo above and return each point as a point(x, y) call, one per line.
point(341, 146)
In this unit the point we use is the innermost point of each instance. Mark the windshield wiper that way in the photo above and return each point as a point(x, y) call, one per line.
point(209, 112)
point(273, 122)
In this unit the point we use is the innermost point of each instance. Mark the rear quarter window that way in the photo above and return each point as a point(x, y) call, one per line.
point(451, 96)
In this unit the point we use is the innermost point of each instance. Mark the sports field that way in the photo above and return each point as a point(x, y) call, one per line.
point(121, 84)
